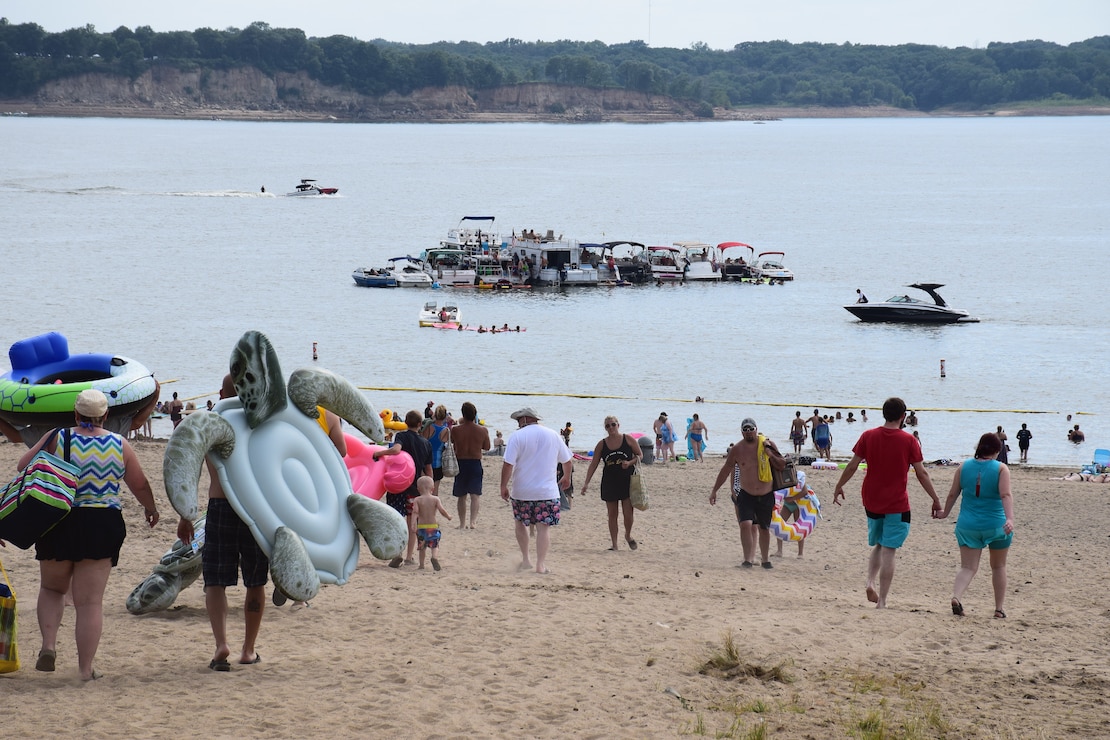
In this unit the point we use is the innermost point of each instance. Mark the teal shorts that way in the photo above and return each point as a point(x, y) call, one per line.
point(888, 530)
point(977, 539)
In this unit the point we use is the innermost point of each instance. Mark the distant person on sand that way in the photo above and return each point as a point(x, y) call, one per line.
point(751, 460)
point(697, 435)
point(619, 454)
point(471, 440)
point(176, 407)
point(1023, 438)
point(986, 519)
point(426, 506)
point(530, 460)
point(565, 432)
point(798, 432)
point(889, 452)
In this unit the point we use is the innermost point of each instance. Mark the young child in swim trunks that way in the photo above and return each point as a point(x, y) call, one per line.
point(426, 506)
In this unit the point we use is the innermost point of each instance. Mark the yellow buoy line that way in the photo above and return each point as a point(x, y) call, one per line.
point(688, 400)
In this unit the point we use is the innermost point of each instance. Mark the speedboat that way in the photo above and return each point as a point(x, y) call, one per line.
point(445, 316)
point(907, 310)
point(701, 260)
point(626, 259)
point(666, 264)
point(309, 187)
point(409, 272)
point(770, 266)
point(738, 268)
point(369, 277)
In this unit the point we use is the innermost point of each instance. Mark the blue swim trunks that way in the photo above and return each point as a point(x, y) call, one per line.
point(888, 530)
point(469, 479)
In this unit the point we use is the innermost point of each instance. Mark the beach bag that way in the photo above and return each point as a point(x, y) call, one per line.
point(448, 461)
point(637, 489)
point(9, 658)
point(39, 497)
point(785, 478)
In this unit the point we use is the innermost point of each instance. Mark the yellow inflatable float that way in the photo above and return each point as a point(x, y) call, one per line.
point(391, 421)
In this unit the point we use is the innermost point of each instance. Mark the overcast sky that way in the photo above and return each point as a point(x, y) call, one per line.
point(675, 23)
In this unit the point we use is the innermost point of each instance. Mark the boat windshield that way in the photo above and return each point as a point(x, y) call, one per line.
point(903, 299)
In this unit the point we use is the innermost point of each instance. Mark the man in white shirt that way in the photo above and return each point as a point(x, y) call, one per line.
point(531, 458)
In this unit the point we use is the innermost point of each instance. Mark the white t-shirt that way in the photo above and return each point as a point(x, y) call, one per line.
point(534, 451)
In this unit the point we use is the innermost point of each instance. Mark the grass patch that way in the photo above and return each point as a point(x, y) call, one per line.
point(726, 662)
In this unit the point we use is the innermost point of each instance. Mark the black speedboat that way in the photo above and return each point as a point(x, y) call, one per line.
point(906, 310)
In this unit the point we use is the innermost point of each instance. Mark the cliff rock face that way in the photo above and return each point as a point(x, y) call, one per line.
point(248, 93)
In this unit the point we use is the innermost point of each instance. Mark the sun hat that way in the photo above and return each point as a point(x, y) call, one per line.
point(526, 411)
point(748, 422)
point(91, 403)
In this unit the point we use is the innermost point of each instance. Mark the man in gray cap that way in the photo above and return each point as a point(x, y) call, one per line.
point(749, 463)
point(531, 458)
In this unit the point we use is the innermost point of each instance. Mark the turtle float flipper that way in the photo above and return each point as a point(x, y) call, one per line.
point(290, 567)
point(385, 531)
point(312, 387)
point(190, 442)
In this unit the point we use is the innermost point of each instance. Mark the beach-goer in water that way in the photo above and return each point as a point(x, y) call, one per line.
point(1023, 438)
point(77, 555)
point(889, 452)
point(471, 440)
point(986, 519)
point(753, 456)
point(798, 432)
point(618, 453)
point(1004, 453)
point(1075, 436)
point(530, 460)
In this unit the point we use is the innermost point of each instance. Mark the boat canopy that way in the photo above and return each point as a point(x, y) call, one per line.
point(781, 254)
point(477, 218)
point(726, 245)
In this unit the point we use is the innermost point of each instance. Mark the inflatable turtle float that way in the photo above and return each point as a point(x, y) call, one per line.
point(281, 473)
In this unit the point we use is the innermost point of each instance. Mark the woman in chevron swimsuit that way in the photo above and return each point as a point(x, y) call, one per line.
point(79, 553)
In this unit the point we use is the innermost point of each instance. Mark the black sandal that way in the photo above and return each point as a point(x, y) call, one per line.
point(957, 608)
point(999, 614)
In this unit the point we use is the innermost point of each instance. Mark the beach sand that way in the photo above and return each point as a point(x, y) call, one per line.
point(613, 644)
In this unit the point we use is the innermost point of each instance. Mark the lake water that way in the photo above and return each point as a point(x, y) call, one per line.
point(151, 239)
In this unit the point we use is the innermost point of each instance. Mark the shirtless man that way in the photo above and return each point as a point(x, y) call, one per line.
point(798, 432)
point(697, 434)
point(471, 441)
point(813, 421)
point(755, 500)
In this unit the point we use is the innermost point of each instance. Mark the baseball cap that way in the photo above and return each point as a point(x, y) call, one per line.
point(526, 411)
point(748, 423)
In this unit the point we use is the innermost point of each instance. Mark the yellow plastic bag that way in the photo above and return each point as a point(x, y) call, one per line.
point(9, 657)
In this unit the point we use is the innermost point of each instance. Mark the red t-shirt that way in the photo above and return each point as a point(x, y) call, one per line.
point(889, 454)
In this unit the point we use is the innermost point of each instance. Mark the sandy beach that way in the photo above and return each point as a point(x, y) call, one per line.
point(614, 644)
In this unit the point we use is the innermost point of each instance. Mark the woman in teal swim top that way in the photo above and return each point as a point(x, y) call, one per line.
point(986, 519)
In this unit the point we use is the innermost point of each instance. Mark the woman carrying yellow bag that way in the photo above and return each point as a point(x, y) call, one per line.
point(9, 657)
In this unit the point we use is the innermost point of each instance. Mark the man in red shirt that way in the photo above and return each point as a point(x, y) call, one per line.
point(889, 453)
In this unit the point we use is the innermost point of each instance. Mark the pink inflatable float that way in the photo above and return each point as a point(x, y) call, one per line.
point(374, 478)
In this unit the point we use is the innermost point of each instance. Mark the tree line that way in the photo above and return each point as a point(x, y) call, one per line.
point(910, 76)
